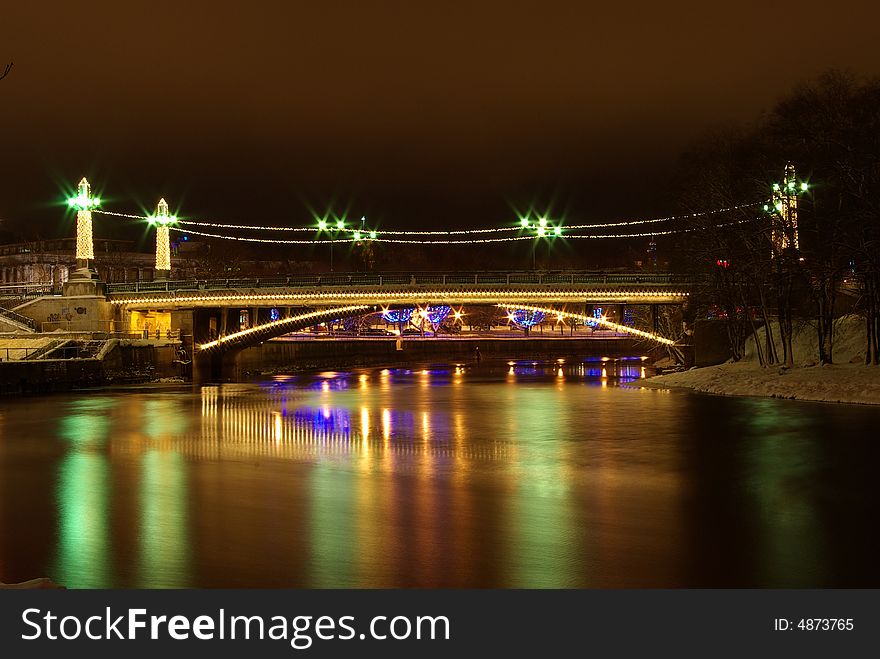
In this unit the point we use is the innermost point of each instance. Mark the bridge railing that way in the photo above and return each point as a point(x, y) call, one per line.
point(486, 278)
point(18, 318)
point(26, 290)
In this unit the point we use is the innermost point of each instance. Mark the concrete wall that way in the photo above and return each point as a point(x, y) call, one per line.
point(125, 361)
point(137, 361)
point(89, 313)
point(43, 376)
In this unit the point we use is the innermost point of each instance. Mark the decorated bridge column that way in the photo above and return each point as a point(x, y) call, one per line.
point(84, 280)
point(162, 219)
point(84, 203)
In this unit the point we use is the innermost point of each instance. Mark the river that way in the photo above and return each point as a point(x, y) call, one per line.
point(504, 474)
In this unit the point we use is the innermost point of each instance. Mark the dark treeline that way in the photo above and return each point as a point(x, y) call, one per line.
point(829, 130)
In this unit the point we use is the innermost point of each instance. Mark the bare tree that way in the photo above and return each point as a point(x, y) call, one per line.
point(6, 71)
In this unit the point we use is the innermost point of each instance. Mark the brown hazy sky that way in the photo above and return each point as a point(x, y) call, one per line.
point(413, 112)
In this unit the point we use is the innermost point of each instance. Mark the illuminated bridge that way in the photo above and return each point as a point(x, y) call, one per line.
point(386, 289)
point(212, 312)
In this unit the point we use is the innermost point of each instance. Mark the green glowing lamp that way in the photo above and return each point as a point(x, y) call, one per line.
point(557, 231)
point(805, 186)
point(543, 221)
point(83, 200)
point(340, 224)
point(524, 222)
point(162, 216)
point(542, 231)
point(373, 235)
point(357, 235)
point(322, 225)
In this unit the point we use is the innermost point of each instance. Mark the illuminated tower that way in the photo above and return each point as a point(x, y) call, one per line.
point(162, 219)
point(84, 203)
point(784, 232)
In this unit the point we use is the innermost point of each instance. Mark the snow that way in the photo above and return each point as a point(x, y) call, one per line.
point(845, 383)
point(842, 382)
point(849, 342)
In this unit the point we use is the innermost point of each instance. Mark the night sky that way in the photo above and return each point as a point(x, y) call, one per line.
point(417, 114)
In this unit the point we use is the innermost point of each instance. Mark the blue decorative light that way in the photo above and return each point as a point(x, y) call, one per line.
point(437, 315)
point(525, 318)
point(273, 314)
point(597, 313)
point(398, 315)
point(628, 317)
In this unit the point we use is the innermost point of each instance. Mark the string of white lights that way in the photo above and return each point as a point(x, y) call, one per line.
point(471, 241)
point(543, 222)
point(128, 215)
point(671, 218)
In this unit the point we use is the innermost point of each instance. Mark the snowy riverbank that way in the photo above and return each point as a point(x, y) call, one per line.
point(847, 381)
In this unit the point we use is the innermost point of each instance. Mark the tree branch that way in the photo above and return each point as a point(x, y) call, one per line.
point(6, 71)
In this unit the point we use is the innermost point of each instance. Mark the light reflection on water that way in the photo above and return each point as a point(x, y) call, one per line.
point(516, 474)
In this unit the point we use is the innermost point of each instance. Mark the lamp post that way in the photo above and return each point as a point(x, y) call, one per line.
point(542, 230)
point(340, 226)
point(362, 236)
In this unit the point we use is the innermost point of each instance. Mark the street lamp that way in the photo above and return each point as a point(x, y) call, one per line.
point(543, 230)
point(323, 227)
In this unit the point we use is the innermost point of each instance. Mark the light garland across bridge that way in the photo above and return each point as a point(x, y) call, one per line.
point(542, 228)
point(466, 241)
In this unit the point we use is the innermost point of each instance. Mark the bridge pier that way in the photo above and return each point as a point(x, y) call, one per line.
point(216, 366)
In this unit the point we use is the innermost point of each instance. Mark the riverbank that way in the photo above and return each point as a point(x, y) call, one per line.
point(844, 383)
point(848, 381)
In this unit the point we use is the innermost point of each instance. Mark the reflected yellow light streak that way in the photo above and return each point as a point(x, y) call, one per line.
point(278, 433)
point(365, 424)
point(386, 424)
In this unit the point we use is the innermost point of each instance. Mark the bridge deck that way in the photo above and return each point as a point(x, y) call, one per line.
point(408, 288)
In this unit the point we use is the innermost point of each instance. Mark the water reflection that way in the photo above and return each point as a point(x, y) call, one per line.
point(516, 474)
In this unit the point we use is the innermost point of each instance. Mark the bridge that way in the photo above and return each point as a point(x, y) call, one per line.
point(218, 318)
point(209, 309)
point(388, 289)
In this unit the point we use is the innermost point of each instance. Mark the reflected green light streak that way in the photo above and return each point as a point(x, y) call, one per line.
point(333, 531)
point(164, 539)
point(83, 559)
point(88, 422)
point(164, 417)
point(541, 521)
point(781, 468)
